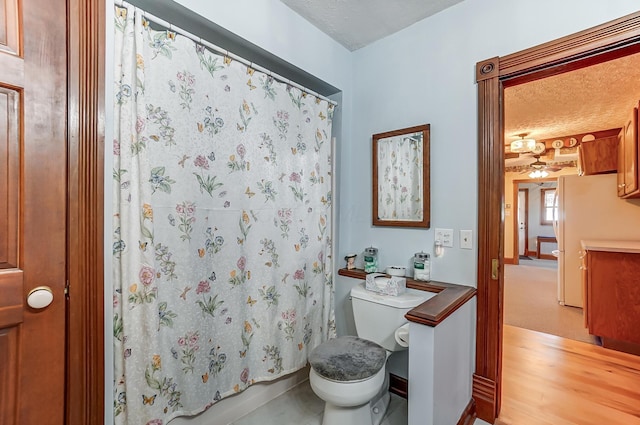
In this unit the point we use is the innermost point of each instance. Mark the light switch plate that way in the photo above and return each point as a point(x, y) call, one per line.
point(445, 236)
point(466, 239)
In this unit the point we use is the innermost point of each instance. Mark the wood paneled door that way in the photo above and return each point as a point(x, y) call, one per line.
point(33, 215)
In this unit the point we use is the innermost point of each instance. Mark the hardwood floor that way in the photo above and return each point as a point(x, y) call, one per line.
point(548, 380)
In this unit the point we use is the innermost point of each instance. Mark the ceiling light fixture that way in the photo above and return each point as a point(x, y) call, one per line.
point(538, 174)
point(523, 145)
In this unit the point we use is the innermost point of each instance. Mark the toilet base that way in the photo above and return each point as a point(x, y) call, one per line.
point(378, 408)
point(359, 415)
point(370, 413)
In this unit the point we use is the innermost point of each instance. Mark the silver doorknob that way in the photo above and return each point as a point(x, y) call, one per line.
point(40, 297)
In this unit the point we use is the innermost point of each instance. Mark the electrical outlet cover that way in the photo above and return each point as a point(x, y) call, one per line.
point(445, 236)
point(466, 239)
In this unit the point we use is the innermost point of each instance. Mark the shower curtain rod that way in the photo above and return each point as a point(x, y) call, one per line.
point(220, 50)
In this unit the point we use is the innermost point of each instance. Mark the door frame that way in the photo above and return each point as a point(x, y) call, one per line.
point(85, 364)
point(608, 41)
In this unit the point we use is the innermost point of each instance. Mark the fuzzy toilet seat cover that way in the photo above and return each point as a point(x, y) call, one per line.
point(347, 358)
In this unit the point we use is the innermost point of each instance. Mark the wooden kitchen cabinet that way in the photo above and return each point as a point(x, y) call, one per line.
point(598, 156)
point(611, 279)
point(628, 158)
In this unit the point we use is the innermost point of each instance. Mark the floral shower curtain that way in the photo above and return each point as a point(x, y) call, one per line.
point(222, 243)
point(400, 188)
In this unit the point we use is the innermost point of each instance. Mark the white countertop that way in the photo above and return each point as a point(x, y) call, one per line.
point(613, 246)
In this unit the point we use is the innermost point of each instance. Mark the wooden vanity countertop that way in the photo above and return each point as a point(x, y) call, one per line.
point(449, 297)
point(632, 247)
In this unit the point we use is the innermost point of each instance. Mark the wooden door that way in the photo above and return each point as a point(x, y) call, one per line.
point(33, 164)
point(523, 223)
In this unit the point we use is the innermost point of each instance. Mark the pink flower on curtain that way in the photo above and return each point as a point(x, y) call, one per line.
point(140, 124)
point(283, 115)
point(295, 177)
point(244, 375)
point(203, 287)
point(284, 213)
point(201, 162)
point(288, 324)
point(146, 275)
point(240, 149)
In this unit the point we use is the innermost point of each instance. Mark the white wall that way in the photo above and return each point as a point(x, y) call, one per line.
point(274, 27)
point(426, 74)
point(443, 359)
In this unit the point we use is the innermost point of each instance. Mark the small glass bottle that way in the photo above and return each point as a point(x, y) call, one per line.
point(421, 266)
point(370, 260)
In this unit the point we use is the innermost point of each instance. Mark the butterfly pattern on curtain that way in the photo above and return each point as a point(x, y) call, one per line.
point(222, 241)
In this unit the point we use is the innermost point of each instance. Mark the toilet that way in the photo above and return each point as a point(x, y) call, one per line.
point(349, 372)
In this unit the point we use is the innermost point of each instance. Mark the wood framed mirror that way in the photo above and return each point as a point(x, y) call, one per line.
point(401, 195)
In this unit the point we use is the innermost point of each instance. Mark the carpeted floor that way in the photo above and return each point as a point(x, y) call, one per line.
point(530, 302)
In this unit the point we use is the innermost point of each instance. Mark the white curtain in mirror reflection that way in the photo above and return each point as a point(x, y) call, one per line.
point(400, 177)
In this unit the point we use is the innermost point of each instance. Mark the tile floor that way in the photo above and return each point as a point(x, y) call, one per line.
point(300, 406)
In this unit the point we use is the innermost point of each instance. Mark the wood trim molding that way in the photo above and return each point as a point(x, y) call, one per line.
point(399, 386)
point(432, 312)
point(490, 246)
point(485, 397)
point(85, 347)
point(604, 42)
point(468, 416)
point(487, 69)
point(547, 257)
point(609, 36)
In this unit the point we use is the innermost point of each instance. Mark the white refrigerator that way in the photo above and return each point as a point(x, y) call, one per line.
point(588, 208)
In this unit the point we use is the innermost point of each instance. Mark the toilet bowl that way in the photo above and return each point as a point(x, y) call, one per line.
point(349, 372)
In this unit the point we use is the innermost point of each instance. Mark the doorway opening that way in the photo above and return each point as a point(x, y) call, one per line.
point(600, 44)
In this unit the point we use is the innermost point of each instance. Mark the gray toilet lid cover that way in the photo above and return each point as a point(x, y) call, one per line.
point(347, 358)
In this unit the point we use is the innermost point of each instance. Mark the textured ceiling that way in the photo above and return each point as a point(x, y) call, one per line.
point(596, 98)
point(591, 99)
point(599, 97)
point(356, 23)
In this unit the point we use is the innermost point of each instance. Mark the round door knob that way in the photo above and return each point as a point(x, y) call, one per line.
point(40, 297)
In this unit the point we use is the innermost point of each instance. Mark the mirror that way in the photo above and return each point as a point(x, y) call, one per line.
point(401, 177)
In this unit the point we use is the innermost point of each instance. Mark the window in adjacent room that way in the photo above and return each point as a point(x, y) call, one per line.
point(547, 206)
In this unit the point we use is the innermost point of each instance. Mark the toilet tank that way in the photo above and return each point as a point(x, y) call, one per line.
point(378, 316)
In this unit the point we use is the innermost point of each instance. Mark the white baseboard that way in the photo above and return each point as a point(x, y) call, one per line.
point(232, 408)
